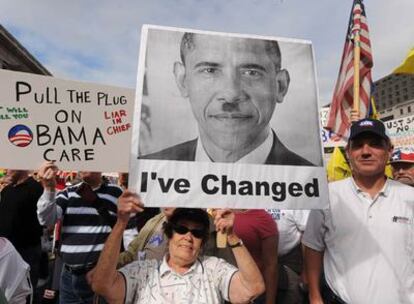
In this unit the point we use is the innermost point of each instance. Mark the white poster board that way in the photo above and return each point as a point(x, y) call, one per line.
point(329, 139)
point(401, 131)
point(233, 123)
point(81, 126)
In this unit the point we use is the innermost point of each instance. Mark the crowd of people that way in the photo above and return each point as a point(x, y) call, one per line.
point(359, 250)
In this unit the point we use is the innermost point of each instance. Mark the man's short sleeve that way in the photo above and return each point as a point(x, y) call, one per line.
point(315, 230)
point(301, 218)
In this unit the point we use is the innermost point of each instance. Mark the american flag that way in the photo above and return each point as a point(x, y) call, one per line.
point(342, 101)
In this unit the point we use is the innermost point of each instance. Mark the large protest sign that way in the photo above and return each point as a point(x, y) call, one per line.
point(234, 122)
point(81, 126)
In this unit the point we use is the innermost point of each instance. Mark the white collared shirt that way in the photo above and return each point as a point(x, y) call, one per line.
point(152, 282)
point(368, 243)
point(14, 274)
point(257, 156)
point(291, 225)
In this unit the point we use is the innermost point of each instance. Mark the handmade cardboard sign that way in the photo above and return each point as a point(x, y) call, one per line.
point(80, 126)
point(401, 131)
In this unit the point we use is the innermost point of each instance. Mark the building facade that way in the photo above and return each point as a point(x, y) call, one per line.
point(15, 57)
point(394, 96)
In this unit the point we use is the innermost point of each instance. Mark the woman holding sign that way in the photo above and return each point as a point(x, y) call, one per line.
point(184, 275)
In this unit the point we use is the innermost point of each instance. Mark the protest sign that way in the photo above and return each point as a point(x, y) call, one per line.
point(329, 139)
point(401, 131)
point(81, 126)
point(234, 122)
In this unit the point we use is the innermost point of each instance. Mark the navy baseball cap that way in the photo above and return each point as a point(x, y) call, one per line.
point(368, 125)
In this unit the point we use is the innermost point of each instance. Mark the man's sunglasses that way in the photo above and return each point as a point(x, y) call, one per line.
point(180, 229)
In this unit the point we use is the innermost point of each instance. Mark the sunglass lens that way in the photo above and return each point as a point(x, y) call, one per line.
point(198, 233)
point(181, 229)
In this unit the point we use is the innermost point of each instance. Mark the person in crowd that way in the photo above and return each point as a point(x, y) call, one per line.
point(259, 234)
point(233, 85)
point(4, 181)
point(184, 275)
point(18, 218)
point(51, 292)
point(402, 163)
point(137, 221)
point(365, 239)
point(15, 285)
point(291, 284)
point(88, 211)
point(150, 243)
point(123, 180)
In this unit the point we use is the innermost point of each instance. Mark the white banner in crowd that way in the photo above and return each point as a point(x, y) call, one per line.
point(81, 126)
point(401, 131)
point(233, 122)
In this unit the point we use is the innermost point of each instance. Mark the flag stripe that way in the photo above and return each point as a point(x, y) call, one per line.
point(342, 100)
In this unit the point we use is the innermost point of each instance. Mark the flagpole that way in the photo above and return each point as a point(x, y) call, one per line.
point(357, 51)
point(350, 100)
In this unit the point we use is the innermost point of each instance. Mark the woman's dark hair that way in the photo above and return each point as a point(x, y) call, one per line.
point(195, 215)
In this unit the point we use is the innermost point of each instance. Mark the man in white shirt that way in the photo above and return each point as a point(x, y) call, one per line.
point(14, 274)
point(291, 225)
point(365, 239)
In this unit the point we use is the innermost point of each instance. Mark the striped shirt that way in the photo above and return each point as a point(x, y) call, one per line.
point(84, 230)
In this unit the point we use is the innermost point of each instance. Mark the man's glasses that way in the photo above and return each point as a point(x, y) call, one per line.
point(180, 229)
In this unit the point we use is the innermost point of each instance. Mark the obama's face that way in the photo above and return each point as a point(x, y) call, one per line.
point(233, 85)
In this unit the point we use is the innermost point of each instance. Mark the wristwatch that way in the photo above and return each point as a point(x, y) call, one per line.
point(238, 244)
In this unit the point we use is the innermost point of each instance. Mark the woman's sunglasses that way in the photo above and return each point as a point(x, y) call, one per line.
point(180, 229)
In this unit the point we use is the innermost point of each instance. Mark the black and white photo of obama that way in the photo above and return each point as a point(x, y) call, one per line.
point(233, 85)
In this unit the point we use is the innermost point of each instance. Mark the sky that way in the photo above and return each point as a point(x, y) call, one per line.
point(98, 40)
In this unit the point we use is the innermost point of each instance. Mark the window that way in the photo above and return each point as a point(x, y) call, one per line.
point(401, 111)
